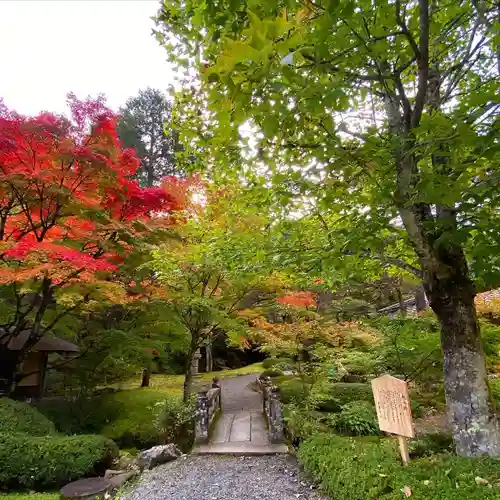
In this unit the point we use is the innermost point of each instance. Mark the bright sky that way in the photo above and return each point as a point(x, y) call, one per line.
point(51, 47)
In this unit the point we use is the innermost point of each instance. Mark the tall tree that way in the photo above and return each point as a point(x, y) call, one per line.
point(391, 110)
point(142, 126)
point(214, 270)
point(69, 216)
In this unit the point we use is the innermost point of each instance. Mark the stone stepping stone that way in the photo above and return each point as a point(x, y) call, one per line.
point(87, 489)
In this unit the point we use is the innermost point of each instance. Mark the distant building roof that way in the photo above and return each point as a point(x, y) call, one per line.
point(397, 306)
point(484, 296)
point(47, 343)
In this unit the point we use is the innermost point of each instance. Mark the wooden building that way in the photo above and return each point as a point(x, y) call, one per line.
point(34, 366)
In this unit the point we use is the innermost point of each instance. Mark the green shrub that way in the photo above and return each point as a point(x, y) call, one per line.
point(175, 421)
point(272, 372)
point(328, 405)
point(360, 363)
point(345, 393)
point(411, 348)
point(495, 391)
point(431, 444)
point(135, 425)
point(127, 417)
point(270, 362)
point(490, 335)
point(84, 415)
point(16, 416)
point(301, 422)
point(369, 468)
point(48, 461)
point(357, 418)
point(293, 389)
point(420, 401)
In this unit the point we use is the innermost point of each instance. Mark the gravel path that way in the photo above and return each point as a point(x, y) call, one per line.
point(272, 477)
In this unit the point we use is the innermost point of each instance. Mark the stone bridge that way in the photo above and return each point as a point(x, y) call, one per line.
point(250, 421)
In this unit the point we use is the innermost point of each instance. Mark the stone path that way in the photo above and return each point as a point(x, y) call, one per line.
point(225, 478)
point(223, 475)
point(241, 429)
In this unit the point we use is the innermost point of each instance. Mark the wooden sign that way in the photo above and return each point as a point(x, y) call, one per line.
point(392, 403)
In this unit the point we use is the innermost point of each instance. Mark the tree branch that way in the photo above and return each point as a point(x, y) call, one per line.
point(423, 63)
point(404, 29)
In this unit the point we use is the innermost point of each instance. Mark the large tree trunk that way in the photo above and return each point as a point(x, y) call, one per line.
point(451, 294)
point(188, 372)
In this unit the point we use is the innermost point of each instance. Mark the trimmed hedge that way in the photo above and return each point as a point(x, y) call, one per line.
point(369, 469)
point(281, 363)
point(344, 392)
point(271, 372)
point(292, 389)
point(16, 416)
point(50, 461)
point(127, 417)
point(270, 363)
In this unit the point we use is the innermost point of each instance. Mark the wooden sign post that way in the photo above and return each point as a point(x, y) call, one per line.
point(392, 402)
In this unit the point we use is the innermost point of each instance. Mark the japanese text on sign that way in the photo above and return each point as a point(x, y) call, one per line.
point(393, 405)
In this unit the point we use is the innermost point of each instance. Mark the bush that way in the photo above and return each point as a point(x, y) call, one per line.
point(84, 415)
point(127, 417)
point(359, 363)
point(175, 421)
point(301, 423)
point(134, 426)
point(420, 401)
point(16, 416)
point(369, 469)
point(495, 391)
point(490, 335)
point(411, 348)
point(343, 392)
point(357, 418)
point(431, 444)
point(270, 362)
point(50, 461)
point(280, 363)
point(271, 373)
point(293, 389)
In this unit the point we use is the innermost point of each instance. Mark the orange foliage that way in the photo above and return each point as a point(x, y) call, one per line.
point(302, 299)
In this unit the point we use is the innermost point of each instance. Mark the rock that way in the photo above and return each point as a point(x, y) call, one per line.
point(87, 489)
point(125, 461)
point(118, 480)
point(110, 473)
point(158, 455)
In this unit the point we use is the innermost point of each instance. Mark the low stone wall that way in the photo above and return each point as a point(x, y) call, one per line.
point(273, 410)
point(208, 406)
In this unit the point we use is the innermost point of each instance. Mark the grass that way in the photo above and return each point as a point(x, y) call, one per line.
point(172, 384)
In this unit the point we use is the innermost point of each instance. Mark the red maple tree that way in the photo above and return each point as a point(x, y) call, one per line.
point(70, 211)
point(299, 299)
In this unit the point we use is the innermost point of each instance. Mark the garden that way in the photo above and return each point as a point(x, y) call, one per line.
point(314, 201)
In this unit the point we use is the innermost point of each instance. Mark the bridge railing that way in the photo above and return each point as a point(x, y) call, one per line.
point(208, 406)
point(273, 410)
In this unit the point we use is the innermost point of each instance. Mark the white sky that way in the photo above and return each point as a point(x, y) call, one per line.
point(51, 47)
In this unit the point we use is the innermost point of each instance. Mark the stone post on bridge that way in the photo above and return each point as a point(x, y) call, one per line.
point(273, 411)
